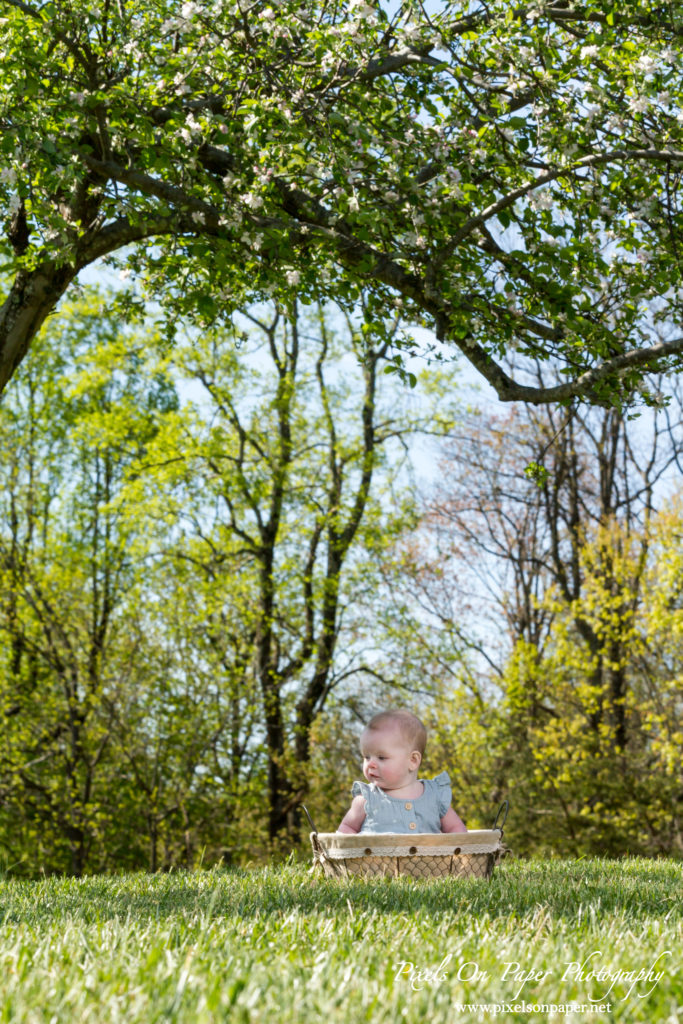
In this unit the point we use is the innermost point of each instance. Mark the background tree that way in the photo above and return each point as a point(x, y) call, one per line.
point(509, 176)
point(69, 639)
point(562, 573)
point(602, 782)
point(184, 587)
point(275, 482)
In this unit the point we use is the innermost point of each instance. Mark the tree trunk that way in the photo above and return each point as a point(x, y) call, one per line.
point(34, 294)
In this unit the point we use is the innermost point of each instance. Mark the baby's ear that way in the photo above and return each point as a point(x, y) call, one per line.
point(415, 758)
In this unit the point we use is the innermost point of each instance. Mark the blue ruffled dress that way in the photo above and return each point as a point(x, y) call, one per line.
point(384, 813)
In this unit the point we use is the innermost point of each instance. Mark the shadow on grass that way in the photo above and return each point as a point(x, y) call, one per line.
point(566, 890)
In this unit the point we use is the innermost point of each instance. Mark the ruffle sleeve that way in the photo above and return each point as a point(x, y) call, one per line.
point(444, 795)
point(359, 789)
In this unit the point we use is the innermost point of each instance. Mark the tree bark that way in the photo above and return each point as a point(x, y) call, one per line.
point(32, 297)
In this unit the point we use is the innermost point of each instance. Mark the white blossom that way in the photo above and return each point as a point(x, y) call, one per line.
point(252, 200)
point(8, 176)
point(589, 51)
point(361, 9)
point(646, 64)
point(413, 33)
point(638, 104)
point(292, 277)
point(516, 84)
point(541, 201)
point(232, 221)
point(14, 204)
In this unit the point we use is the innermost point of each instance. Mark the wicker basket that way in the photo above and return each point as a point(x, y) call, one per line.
point(458, 854)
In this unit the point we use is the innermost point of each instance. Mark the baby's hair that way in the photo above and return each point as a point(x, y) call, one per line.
point(410, 726)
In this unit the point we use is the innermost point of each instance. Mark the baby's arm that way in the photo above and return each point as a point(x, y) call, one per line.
point(452, 823)
point(354, 817)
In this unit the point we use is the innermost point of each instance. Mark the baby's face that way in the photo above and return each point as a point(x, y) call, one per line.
point(388, 760)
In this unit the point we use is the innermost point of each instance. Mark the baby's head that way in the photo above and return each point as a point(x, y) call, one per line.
point(392, 745)
point(407, 725)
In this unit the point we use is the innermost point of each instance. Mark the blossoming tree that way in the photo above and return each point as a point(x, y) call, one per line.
point(509, 175)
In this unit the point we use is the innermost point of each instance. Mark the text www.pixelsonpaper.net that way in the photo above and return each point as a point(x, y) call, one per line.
point(499, 1009)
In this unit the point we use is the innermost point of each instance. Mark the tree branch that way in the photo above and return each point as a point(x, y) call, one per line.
point(667, 156)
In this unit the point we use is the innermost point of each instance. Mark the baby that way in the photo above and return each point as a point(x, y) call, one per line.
point(392, 745)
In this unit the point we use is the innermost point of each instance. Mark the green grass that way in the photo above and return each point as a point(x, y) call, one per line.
point(284, 945)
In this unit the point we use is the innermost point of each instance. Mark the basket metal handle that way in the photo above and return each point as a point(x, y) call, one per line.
point(319, 854)
point(504, 807)
point(310, 819)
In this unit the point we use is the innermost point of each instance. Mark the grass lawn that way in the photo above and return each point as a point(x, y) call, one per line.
point(285, 945)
